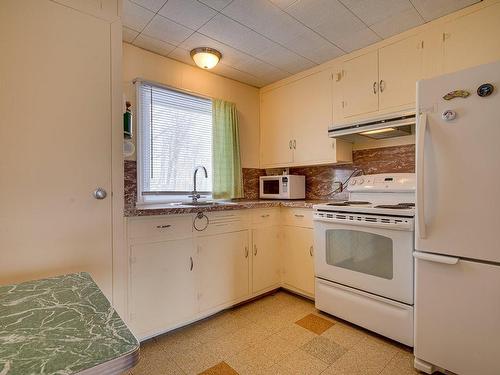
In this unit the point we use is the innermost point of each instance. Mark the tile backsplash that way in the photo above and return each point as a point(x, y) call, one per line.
point(319, 179)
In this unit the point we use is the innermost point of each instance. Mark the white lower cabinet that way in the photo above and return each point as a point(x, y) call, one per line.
point(265, 258)
point(223, 269)
point(298, 260)
point(162, 288)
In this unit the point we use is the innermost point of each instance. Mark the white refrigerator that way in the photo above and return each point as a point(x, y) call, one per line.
point(457, 239)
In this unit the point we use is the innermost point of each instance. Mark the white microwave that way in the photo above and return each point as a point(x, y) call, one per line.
point(282, 187)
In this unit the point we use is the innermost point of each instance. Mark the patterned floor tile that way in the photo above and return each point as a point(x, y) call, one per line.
point(221, 368)
point(324, 349)
point(344, 335)
point(197, 360)
point(296, 335)
point(401, 364)
point(153, 361)
point(299, 363)
point(315, 323)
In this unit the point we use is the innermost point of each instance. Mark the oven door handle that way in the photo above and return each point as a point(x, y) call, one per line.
point(435, 258)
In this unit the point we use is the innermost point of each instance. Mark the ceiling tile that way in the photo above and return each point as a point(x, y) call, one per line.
point(128, 35)
point(272, 22)
point(134, 16)
point(216, 4)
point(432, 9)
point(190, 13)
point(335, 22)
point(167, 30)
point(153, 45)
point(373, 11)
point(230, 72)
point(283, 3)
point(181, 55)
point(397, 23)
point(153, 5)
point(238, 36)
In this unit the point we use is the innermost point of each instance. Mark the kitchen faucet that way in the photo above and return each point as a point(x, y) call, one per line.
point(195, 195)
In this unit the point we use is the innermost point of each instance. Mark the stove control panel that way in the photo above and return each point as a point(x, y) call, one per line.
point(386, 182)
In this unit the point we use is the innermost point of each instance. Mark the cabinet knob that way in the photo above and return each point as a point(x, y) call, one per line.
point(246, 251)
point(375, 87)
point(255, 250)
point(311, 251)
point(382, 85)
point(100, 193)
point(192, 263)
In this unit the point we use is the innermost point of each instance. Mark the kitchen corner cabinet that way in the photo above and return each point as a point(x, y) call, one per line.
point(223, 274)
point(294, 124)
point(472, 39)
point(265, 258)
point(382, 79)
point(298, 260)
point(163, 285)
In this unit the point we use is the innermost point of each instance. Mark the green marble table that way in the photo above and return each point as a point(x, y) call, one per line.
point(62, 325)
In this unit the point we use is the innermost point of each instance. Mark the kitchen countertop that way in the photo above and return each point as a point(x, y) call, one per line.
point(175, 209)
point(62, 325)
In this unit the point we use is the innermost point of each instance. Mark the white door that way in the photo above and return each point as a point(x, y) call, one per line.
point(371, 259)
point(360, 84)
point(400, 66)
point(457, 167)
point(298, 259)
point(472, 39)
point(223, 271)
point(266, 258)
point(162, 284)
point(457, 314)
point(55, 137)
point(312, 115)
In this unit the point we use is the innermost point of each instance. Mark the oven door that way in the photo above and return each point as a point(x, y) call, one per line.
point(373, 259)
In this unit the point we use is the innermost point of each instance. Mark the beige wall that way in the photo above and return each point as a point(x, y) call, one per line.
point(138, 63)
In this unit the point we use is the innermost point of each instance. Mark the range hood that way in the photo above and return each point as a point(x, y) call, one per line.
point(387, 126)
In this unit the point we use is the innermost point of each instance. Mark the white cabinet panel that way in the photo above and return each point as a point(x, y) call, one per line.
point(472, 39)
point(163, 288)
point(266, 258)
point(222, 269)
point(360, 84)
point(457, 316)
point(400, 66)
point(297, 258)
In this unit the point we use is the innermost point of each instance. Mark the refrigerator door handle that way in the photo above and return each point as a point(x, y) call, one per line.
point(435, 258)
point(421, 129)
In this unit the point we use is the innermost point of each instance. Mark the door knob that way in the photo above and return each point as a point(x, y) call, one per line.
point(99, 193)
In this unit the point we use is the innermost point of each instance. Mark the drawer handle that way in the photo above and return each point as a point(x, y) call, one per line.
point(246, 251)
point(297, 215)
point(255, 250)
point(266, 215)
point(192, 263)
point(163, 226)
point(311, 251)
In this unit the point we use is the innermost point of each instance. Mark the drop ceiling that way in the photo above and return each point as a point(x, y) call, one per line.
point(263, 41)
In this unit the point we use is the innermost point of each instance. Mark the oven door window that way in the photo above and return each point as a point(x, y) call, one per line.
point(359, 251)
point(271, 186)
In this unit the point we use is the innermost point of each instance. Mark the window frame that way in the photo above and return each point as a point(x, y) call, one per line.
point(153, 198)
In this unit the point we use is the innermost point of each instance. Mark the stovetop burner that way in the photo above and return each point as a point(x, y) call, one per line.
point(349, 203)
point(399, 206)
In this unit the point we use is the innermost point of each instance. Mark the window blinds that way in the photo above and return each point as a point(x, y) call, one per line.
point(176, 136)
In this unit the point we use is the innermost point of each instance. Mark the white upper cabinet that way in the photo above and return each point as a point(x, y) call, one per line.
point(400, 66)
point(294, 124)
point(473, 39)
point(360, 84)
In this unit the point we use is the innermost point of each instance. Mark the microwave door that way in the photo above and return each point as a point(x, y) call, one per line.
point(271, 187)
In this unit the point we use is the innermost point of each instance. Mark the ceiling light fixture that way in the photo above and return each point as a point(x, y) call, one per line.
point(206, 57)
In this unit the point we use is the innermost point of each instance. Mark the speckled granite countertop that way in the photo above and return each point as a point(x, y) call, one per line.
point(62, 325)
point(167, 209)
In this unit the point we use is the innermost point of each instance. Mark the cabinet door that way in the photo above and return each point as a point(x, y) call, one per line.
point(162, 286)
point(223, 268)
point(298, 262)
point(400, 66)
point(472, 39)
point(312, 114)
point(266, 259)
point(432, 53)
point(457, 311)
point(275, 120)
point(360, 84)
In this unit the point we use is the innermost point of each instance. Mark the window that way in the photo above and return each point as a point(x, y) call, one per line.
point(175, 136)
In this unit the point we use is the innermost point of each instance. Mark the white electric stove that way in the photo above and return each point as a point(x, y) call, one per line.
point(364, 261)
